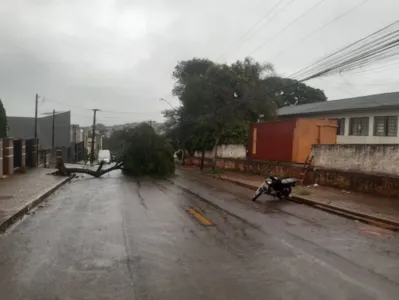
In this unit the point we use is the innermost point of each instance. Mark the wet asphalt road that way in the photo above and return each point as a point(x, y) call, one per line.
point(117, 238)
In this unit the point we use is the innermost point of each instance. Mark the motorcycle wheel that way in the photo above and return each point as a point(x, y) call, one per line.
point(287, 192)
point(257, 194)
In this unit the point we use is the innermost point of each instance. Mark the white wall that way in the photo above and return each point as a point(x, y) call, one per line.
point(226, 151)
point(370, 139)
point(377, 159)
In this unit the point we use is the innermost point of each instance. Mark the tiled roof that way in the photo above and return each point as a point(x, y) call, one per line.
point(366, 102)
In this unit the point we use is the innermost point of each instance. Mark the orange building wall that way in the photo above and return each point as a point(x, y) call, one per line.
point(309, 132)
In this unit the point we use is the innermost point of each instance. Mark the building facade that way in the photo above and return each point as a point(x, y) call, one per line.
point(364, 120)
point(24, 128)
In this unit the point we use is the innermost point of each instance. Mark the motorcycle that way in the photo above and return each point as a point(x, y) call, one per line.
point(276, 187)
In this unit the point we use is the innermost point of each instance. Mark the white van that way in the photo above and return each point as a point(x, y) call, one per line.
point(105, 156)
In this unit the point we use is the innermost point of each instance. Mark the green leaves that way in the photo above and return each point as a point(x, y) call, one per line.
point(144, 152)
point(219, 101)
point(287, 91)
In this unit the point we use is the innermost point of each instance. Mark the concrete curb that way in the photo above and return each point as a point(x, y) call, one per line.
point(368, 219)
point(30, 205)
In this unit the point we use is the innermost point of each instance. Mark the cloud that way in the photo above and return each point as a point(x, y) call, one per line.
point(119, 55)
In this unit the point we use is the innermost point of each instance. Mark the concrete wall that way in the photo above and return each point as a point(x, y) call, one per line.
point(226, 151)
point(370, 139)
point(385, 185)
point(376, 159)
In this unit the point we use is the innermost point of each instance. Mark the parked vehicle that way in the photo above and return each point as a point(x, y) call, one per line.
point(105, 156)
point(280, 188)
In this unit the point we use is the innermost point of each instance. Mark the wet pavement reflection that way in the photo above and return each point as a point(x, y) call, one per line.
point(122, 238)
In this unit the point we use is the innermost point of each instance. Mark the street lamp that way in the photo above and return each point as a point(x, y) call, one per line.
point(167, 102)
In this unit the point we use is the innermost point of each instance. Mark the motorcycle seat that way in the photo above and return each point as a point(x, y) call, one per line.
point(288, 180)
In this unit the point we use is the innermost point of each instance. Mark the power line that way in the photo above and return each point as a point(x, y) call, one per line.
point(386, 56)
point(341, 65)
point(253, 26)
point(102, 110)
point(376, 70)
point(345, 48)
point(377, 48)
point(63, 103)
point(288, 26)
point(349, 61)
point(268, 21)
point(322, 27)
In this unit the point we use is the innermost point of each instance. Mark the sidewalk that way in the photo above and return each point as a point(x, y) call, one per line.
point(20, 192)
point(380, 211)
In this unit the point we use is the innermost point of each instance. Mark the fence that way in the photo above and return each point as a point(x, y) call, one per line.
point(226, 151)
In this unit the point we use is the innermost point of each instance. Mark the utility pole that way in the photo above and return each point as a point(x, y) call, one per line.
point(36, 108)
point(75, 127)
point(53, 137)
point(74, 150)
point(93, 136)
point(37, 142)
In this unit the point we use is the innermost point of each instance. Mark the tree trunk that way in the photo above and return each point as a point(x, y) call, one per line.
point(182, 157)
point(64, 171)
point(202, 158)
point(215, 152)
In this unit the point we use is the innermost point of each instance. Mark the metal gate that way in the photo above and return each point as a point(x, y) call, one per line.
point(29, 153)
point(17, 154)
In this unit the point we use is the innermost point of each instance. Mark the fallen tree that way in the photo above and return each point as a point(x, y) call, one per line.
point(62, 170)
point(140, 151)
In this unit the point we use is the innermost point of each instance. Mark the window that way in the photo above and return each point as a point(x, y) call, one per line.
point(341, 126)
point(359, 126)
point(386, 126)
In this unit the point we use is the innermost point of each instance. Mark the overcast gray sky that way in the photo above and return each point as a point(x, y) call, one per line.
point(118, 55)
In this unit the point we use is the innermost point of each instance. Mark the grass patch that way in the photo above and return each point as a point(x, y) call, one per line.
point(303, 191)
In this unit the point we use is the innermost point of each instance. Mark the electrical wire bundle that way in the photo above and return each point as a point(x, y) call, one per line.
point(380, 46)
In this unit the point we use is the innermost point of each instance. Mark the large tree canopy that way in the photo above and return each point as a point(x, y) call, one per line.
point(219, 101)
point(291, 92)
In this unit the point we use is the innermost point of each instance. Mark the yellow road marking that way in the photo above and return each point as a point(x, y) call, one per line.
point(199, 217)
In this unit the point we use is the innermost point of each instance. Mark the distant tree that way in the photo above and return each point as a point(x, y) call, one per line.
point(3, 121)
point(287, 92)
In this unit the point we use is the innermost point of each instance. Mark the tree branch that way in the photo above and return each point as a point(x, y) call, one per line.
point(64, 171)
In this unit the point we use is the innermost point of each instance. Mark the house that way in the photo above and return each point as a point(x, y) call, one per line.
point(371, 119)
point(87, 139)
point(76, 134)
